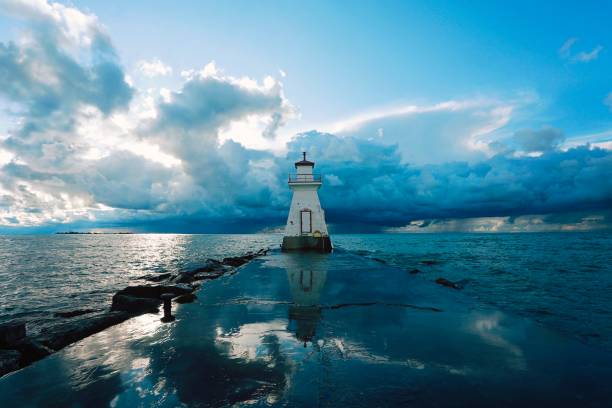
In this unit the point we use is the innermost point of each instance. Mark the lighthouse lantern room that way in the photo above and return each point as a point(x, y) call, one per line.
point(306, 228)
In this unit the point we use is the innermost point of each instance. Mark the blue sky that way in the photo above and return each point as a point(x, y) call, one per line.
point(346, 57)
point(424, 100)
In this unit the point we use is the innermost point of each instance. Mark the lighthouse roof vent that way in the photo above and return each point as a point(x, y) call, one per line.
point(304, 162)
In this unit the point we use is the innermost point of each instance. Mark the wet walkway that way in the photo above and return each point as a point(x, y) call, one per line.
point(320, 330)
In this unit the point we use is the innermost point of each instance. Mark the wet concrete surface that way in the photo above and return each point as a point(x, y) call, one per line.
point(293, 329)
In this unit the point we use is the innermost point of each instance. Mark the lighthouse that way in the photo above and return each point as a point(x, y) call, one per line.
point(306, 228)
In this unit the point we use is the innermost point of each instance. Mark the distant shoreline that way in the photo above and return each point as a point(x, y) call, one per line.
point(92, 233)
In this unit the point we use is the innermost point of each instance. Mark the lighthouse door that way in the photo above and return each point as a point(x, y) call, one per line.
point(306, 221)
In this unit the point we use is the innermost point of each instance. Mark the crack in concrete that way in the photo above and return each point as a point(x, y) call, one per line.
point(364, 304)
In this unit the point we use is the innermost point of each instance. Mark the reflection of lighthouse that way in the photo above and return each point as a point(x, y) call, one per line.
point(306, 275)
point(306, 228)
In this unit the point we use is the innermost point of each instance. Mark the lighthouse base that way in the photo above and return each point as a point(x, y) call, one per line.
point(307, 243)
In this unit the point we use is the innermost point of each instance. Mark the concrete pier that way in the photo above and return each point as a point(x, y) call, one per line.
point(309, 329)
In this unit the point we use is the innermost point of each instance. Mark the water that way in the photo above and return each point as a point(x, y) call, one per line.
point(305, 330)
point(563, 280)
point(43, 274)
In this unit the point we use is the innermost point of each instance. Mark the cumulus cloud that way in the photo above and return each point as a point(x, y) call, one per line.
point(380, 189)
point(154, 68)
point(69, 26)
point(543, 140)
point(86, 148)
point(51, 85)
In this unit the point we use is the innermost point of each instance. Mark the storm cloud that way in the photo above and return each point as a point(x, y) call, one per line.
point(87, 149)
point(374, 186)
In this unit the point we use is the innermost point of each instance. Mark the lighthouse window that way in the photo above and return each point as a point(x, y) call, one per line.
point(306, 221)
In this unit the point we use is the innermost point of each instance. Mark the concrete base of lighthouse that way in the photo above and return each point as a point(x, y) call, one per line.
point(307, 243)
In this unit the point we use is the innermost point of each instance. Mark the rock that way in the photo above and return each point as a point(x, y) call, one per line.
point(448, 284)
point(32, 351)
point(154, 292)
point(145, 298)
point(183, 277)
point(178, 289)
point(156, 277)
point(236, 261)
point(9, 361)
point(415, 271)
point(135, 304)
point(208, 275)
point(61, 335)
point(11, 334)
point(186, 298)
point(212, 269)
point(209, 266)
point(141, 291)
point(74, 313)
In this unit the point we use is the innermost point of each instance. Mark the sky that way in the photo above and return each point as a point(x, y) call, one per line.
point(422, 116)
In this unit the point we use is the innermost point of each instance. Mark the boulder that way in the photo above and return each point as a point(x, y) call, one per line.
point(207, 275)
point(9, 361)
point(141, 291)
point(32, 351)
point(156, 277)
point(210, 265)
point(135, 304)
point(236, 261)
point(186, 298)
point(178, 289)
point(415, 271)
point(448, 284)
point(61, 335)
point(145, 298)
point(73, 313)
point(11, 334)
point(183, 277)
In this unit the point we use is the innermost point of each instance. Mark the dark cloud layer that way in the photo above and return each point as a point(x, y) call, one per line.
point(377, 188)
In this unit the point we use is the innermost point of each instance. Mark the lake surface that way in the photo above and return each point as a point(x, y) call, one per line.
point(563, 280)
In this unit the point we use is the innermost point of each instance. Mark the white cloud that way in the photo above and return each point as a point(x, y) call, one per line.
point(333, 180)
point(601, 140)
point(566, 48)
point(523, 223)
point(74, 28)
point(588, 56)
point(449, 130)
point(608, 101)
point(85, 145)
point(154, 68)
point(565, 52)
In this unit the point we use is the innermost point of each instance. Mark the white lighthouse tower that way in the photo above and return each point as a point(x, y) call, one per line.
point(306, 228)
